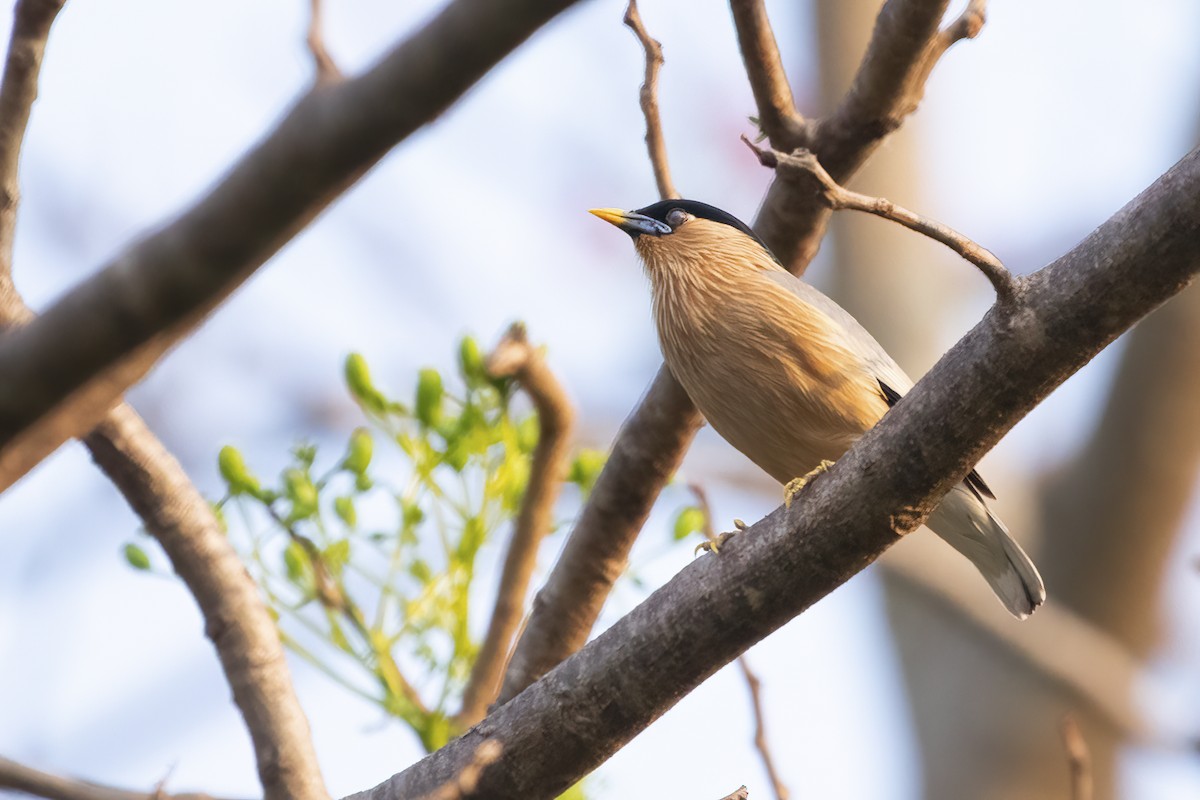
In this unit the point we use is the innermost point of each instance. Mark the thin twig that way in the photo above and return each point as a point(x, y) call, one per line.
point(326, 69)
point(18, 89)
point(967, 25)
point(778, 118)
point(648, 97)
point(464, 783)
point(760, 730)
point(741, 793)
point(803, 163)
point(514, 357)
point(1079, 759)
point(21, 778)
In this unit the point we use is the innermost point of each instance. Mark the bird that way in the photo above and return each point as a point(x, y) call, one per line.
point(786, 375)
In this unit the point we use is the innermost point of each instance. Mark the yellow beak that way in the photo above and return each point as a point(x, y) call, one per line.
point(631, 222)
point(612, 215)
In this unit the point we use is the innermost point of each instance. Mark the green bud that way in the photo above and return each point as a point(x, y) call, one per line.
point(363, 483)
point(237, 476)
point(358, 381)
point(358, 453)
point(429, 397)
point(413, 515)
point(336, 556)
point(344, 508)
point(136, 557)
point(470, 361)
point(295, 562)
point(528, 431)
point(690, 520)
point(300, 490)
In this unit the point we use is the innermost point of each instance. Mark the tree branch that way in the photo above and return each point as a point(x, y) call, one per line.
point(802, 163)
point(18, 89)
point(648, 99)
point(778, 118)
point(21, 778)
point(327, 71)
point(515, 357)
point(740, 793)
point(464, 783)
point(760, 730)
point(651, 445)
point(1079, 760)
point(597, 700)
point(61, 373)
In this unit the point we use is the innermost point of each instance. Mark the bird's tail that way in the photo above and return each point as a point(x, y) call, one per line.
point(966, 524)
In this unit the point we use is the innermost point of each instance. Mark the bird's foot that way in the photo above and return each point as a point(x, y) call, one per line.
point(794, 486)
point(715, 544)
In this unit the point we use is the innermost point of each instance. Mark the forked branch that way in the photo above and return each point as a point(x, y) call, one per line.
point(648, 98)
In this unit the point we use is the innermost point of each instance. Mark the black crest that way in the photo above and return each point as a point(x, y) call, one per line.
point(700, 210)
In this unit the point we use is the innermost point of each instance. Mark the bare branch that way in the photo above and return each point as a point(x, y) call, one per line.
point(760, 730)
point(741, 793)
point(778, 118)
point(647, 451)
point(21, 778)
point(236, 620)
point(648, 98)
point(596, 701)
point(1079, 759)
point(515, 357)
point(60, 374)
point(463, 784)
point(802, 162)
point(18, 89)
point(327, 71)
point(967, 26)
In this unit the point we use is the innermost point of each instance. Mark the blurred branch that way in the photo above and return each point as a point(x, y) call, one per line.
point(326, 69)
point(572, 719)
point(648, 98)
point(1079, 760)
point(18, 89)
point(741, 793)
point(514, 357)
point(760, 730)
point(796, 165)
point(170, 506)
point(967, 26)
point(778, 118)
point(21, 778)
point(63, 371)
point(654, 438)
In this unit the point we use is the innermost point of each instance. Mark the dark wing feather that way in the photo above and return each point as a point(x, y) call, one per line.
point(974, 481)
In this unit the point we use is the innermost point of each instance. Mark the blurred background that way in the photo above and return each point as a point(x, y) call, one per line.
point(908, 682)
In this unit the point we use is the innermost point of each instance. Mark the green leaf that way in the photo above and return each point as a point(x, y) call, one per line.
point(358, 381)
point(235, 473)
point(690, 520)
point(419, 569)
point(470, 362)
point(429, 397)
point(297, 565)
point(344, 508)
point(299, 489)
point(136, 557)
point(358, 451)
point(305, 454)
point(336, 556)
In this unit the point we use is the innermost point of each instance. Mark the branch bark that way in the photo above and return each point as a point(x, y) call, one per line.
point(22, 778)
point(325, 67)
point(778, 118)
point(648, 99)
point(515, 357)
point(596, 701)
point(652, 442)
point(66, 369)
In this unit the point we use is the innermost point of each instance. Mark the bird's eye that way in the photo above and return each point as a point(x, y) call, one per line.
point(677, 216)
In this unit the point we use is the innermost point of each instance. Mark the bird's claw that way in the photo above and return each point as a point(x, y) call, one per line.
point(715, 544)
point(793, 487)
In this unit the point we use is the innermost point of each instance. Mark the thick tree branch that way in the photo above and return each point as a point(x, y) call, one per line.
point(652, 442)
point(235, 618)
point(716, 607)
point(648, 98)
point(18, 89)
point(803, 164)
point(21, 778)
point(778, 118)
point(515, 357)
point(61, 373)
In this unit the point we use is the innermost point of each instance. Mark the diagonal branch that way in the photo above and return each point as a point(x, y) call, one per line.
point(61, 373)
point(802, 163)
point(22, 778)
point(653, 440)
point(327, 71)
point(648, 98)
point(778, 118)
point(715, 608)
point(515, 357)
point(18, 89)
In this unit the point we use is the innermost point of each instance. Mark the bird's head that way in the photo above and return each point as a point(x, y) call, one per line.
point(686, 234)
